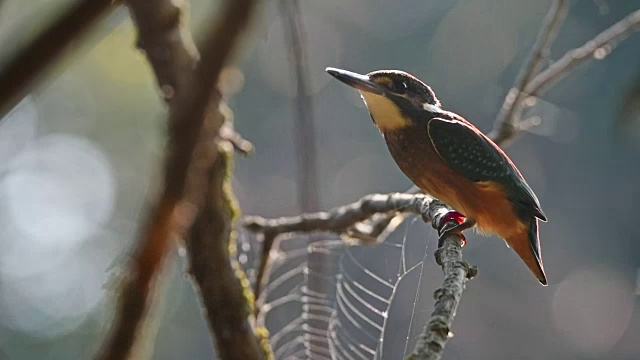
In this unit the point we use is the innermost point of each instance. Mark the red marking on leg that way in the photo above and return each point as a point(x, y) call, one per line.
point(451, 215)
point(455, 216)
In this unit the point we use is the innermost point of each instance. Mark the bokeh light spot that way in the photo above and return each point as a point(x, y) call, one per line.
point(592, 309)
point(52, 303)
point(17, 129)
point(324, 47)
point(59, 190)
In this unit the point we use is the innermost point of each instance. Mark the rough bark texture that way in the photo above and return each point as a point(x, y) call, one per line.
point(432, 340)
point(226, 299)
point(338, 220)
point(166, 42)
point(191, 150)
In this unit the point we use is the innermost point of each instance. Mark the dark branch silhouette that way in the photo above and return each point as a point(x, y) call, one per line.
point(166, 43)
point(226, 300)
point(194, 124)
point(21, 72)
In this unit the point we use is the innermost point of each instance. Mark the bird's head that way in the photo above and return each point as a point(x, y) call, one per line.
point(395, 99)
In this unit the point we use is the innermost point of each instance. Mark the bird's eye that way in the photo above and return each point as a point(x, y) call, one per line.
point(402, 87)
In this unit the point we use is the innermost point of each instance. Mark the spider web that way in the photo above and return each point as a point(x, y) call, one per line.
point(327, 300)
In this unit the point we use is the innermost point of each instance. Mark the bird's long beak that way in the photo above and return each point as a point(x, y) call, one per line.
point(355, 80)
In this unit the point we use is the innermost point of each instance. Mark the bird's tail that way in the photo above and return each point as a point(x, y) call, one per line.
point(527, 246)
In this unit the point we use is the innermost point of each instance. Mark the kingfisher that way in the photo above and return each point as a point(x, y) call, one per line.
point(449, 158)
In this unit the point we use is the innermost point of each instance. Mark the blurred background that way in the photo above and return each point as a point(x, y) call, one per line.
point(80, 157)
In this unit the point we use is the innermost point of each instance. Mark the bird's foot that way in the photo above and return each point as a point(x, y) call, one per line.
point(446, 226)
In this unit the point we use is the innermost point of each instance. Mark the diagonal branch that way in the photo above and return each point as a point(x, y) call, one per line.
point(505, 126)
point(155, 242)
point(23, 70)
point(191, 153)
point(166, 43)
point(340, 219)
point(603, 43)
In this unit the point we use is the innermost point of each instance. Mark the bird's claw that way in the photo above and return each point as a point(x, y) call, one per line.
point(447, 227)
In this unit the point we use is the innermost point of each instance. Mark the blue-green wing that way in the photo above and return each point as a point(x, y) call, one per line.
point(474, 156)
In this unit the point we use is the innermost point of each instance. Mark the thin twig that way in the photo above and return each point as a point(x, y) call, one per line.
point(240, 144)
point(603, 42)
point(264, 269)
point(343, 220)
point(21, 72)
point(379, 226)
point(304, 125)
point(338, 220)
point(505, 125)
point(185, 180)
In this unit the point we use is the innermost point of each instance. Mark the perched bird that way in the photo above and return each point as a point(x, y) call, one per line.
point(448, 157)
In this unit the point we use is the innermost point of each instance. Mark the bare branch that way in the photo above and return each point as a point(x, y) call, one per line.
point(431, 342)
point(177, 63)
point(338, 220)
point(137, 283)
point(344, 220)
point(304, 125)
point(23, 70)
point(598, 47)
point(505, 126)
point(379, 226)
point(227, 302)
point(166, 42)
point(192, 150)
